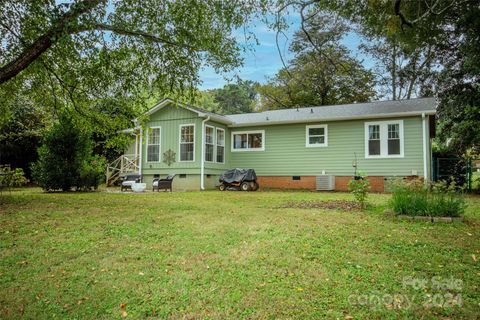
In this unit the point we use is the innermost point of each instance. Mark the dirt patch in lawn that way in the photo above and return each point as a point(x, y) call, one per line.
point(330, 204)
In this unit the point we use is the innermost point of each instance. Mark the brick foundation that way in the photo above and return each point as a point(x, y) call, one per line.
point(377, 184)
point(286, 182)
point(309, 182)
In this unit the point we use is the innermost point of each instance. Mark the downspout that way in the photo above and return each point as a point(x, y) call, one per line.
point(141, 152)
point(202, 163)
point(424, 127)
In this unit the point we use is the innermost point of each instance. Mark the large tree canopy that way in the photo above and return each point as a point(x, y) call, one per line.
point(239, 97)
point(102, 57)
point(439, 43)
point(322, 72)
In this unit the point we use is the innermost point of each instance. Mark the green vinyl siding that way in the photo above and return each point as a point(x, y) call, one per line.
point(286, 153)
point(169, 120)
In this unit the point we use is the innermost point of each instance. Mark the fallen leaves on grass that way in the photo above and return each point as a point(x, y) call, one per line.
point(331, 204)
point(123, 309)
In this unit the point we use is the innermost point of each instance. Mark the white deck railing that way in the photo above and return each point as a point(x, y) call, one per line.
point(121, 166)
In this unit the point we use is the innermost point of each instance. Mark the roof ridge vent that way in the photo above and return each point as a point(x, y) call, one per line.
point(311, 110)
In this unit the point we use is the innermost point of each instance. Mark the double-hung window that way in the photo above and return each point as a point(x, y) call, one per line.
point(220, 145)
point(187, 142)
point(153, 144)
point(248, 140)
point(317, 136)
point(384, 139)
point(209, 143)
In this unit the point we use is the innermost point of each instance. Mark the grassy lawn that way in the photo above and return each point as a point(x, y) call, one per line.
point(233, 255)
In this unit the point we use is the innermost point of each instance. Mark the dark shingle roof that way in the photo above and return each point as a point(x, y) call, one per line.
point(377, 109)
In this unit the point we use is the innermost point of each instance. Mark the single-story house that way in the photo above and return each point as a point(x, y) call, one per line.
point(301, 148)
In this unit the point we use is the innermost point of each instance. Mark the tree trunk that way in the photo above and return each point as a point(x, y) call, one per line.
point(45, 41)
point(413, 77)
point(393, 72)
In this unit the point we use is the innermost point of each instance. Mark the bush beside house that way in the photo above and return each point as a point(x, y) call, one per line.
point(360, 187)
point(414, 198)
point(65, 160)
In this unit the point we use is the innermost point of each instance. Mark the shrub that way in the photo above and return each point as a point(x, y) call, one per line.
point(91, 174)
point(417, 199)
point(65, 161)
point(12, 178)
point(447, 200)
point(409, 197)
point(359, 187)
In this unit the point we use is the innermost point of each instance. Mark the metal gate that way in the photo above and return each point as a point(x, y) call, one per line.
point(464, 171)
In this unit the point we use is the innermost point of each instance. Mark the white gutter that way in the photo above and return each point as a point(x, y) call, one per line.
point(141, 153)
point(202, 163)
point(424, 134)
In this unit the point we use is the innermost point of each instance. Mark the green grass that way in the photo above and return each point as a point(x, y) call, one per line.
point(227, 255)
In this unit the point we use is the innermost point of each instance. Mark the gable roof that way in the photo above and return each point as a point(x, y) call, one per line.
point(369, 110)
point(200, 112)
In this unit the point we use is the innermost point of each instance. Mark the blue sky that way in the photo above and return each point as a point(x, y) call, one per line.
point(263, 60)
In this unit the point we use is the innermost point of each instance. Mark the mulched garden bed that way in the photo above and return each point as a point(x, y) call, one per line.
point(331, 204)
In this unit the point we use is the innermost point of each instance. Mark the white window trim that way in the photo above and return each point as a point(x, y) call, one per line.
point(232, 142)
point(384, 139)
point(159, 145)
point(218, 145)
point(180, 141)
point(307, 136)
point(213, 143)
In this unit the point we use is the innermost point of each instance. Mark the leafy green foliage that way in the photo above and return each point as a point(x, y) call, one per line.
point(402, 72)
point(416, 199)
point(20, 135)
point(92, 173)
point(233, 98)
point(103, 60)
point(459, 111)
point(409, 198)
point(65, 161)
point(445, 34)
point(360, 187)
point(12, 177)
point(321, 73)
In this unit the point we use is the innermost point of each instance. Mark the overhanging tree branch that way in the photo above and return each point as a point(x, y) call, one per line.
point(430, 11)
point(134, 33)
point(41, 44)
point(66, 25)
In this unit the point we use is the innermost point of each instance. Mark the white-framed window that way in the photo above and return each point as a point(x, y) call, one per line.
point(316, 136)
point(220, 145)
point(248, 140)
point(187, 142)
point(384, 139)
point(209, 143)
point(153, 144)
